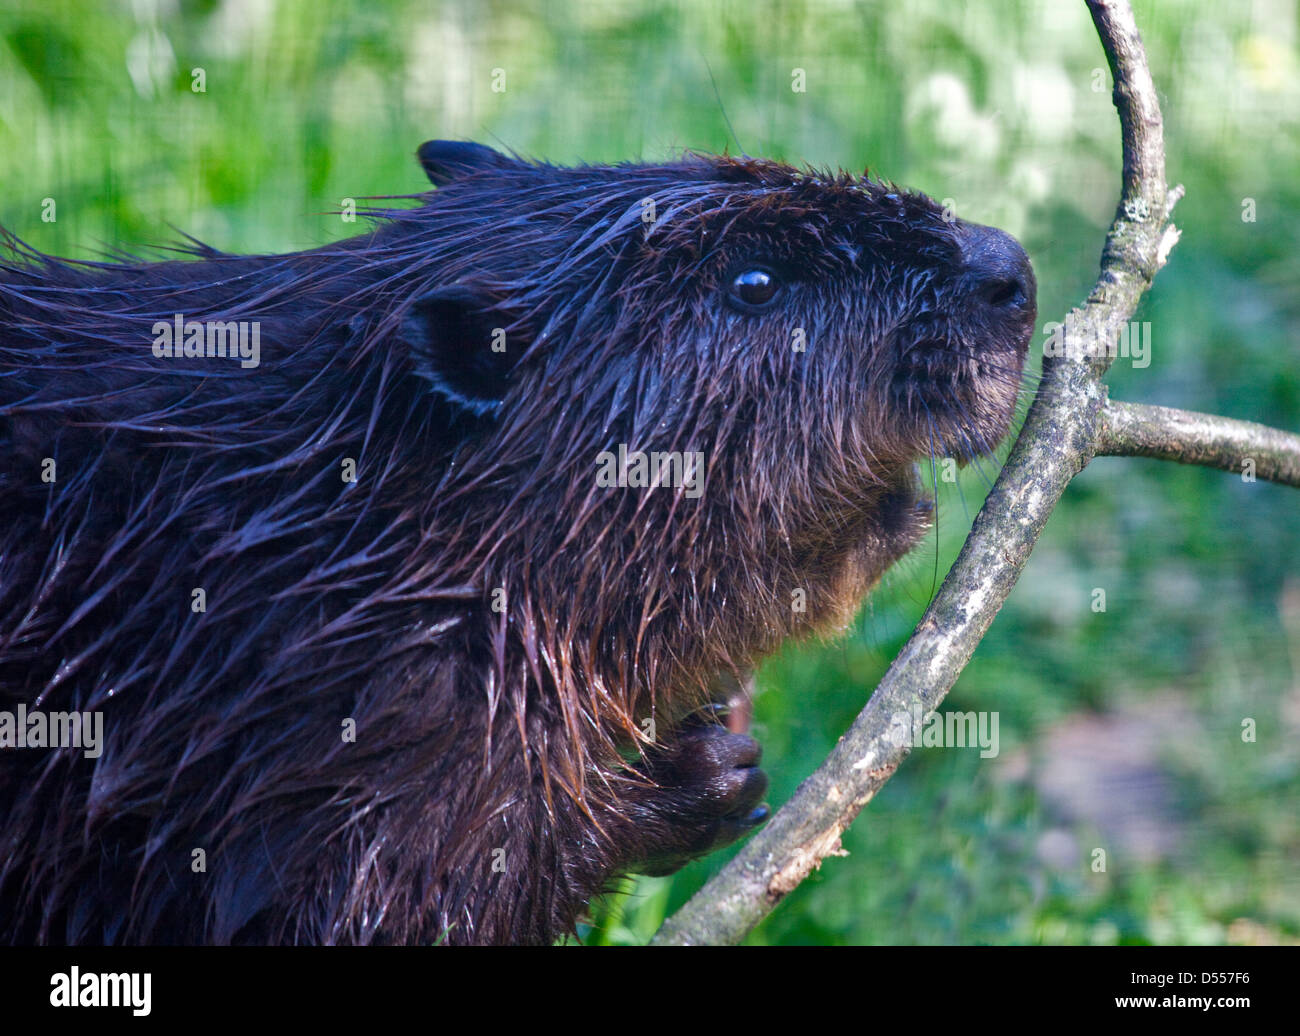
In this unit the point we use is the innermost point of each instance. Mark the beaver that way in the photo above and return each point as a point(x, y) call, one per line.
point(404, 603)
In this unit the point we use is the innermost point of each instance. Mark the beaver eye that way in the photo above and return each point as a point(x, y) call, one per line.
point(754, 289)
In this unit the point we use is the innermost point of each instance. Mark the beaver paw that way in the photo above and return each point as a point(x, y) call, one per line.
point(709, 793)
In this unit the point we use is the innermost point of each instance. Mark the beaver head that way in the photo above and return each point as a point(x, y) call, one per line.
point(806, 335)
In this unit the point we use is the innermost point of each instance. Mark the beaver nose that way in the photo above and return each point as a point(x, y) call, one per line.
point(998, 269)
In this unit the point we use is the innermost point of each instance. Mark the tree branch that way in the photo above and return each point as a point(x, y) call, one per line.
point(1139, 430)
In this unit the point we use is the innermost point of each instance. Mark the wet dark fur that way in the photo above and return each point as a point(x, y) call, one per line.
point(487, 796)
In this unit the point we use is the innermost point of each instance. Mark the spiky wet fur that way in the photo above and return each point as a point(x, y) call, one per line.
point(486, 796)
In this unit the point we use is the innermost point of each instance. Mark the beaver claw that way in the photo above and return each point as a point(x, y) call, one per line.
point(709, 793)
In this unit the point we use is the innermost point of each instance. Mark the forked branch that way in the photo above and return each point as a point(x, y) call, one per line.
point(1069, 423)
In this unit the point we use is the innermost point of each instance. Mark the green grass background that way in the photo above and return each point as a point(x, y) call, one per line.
point(998, 106)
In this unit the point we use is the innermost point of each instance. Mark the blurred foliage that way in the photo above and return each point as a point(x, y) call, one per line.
point(1002, 107)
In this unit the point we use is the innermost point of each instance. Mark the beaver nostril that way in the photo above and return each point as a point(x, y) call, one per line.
point(997, 267)
point(1004, 292)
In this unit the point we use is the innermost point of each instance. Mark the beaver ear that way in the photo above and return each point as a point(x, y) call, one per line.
point(447, 160)
point(457, 339)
